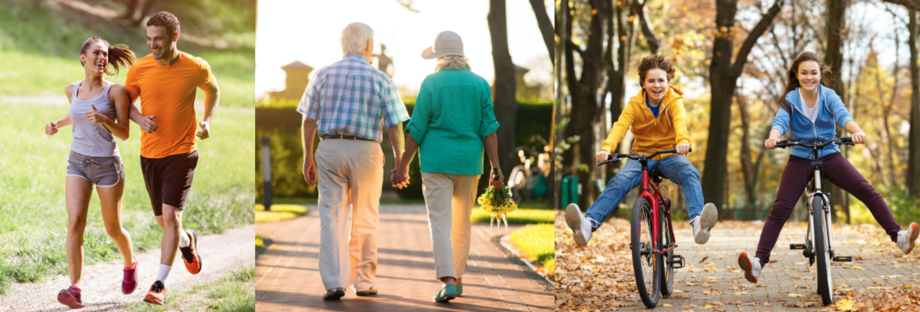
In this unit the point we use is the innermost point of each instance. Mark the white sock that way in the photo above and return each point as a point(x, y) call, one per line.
point(164, 272)
point(184, 239)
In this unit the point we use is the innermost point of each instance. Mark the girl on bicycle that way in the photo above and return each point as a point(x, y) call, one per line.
point(98, 114)
point(811, 111)
point(658, 121)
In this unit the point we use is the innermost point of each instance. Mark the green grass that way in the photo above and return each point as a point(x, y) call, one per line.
point(521, 216)
point(33, 221)
point(233, 292)
point(279, 212)
point(259, 242)
point(535, 241)
point(40, 44)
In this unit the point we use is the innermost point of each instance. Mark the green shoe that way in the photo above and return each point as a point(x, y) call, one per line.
point(459, 290)
point(446, 294)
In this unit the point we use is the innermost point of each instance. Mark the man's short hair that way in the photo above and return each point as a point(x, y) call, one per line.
point(355, 36)
point(166, 20)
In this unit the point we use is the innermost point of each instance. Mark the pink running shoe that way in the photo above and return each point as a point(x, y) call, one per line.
point(129, 283)
point(71, 297)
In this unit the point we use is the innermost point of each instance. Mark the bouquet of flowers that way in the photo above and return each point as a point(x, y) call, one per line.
point(497, 203)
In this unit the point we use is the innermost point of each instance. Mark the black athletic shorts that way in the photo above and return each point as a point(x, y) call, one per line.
point(168, 179)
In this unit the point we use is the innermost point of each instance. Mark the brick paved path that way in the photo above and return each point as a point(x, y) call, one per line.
point(287, 277)
point(878, 267)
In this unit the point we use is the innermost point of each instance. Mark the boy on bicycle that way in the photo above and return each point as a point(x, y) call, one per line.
point(658, 121)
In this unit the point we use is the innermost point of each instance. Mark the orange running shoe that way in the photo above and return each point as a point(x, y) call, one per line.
point(190, 254)
point(157, 294)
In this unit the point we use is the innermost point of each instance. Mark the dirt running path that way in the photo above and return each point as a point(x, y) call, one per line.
point(102, 281)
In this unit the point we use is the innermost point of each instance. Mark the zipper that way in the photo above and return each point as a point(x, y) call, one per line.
point(813, 126)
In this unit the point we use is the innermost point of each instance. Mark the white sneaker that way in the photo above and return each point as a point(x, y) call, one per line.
point(750, 266)
point(581, 227)
point(906, 238)
point(702, 224)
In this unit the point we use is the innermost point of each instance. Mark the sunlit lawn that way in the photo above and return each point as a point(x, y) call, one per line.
point(33, 220)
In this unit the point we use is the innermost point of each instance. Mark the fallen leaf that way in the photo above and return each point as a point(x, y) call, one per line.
point(857, 267)
point(795, 295)
point(712, 264)
point(845, 305)
point(704, 259)
point(665, 305)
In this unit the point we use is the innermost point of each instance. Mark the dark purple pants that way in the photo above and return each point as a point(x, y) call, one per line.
point(838, 171)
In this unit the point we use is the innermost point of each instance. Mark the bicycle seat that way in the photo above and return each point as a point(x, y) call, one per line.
point(655, 175)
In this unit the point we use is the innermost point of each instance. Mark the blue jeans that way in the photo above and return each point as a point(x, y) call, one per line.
point(675, 168)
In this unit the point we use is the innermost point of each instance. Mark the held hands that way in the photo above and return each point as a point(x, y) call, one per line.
point(771, 143)
point(94, 116)
point(148, 125)
point(309, 171)
point(399, 177)
point(601, 156)
point(51, 128)
point(859, 137)
point(497, 178)
point(205, 130)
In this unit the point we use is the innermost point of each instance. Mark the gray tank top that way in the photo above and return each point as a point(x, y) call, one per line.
point(91, 139)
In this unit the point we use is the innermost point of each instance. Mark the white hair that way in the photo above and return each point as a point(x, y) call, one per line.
point(454, 61)
point(355, 36)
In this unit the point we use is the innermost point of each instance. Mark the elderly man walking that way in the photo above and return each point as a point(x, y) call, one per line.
point(349, 102)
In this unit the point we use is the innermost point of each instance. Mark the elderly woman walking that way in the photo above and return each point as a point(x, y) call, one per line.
point(451, 123)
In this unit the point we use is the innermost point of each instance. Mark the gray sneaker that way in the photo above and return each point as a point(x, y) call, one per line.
point(370, 292)
point(581, 227)
point(750, 266)
point(702, 224)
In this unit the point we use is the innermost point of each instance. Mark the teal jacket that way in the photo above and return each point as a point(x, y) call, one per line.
point(452, 115)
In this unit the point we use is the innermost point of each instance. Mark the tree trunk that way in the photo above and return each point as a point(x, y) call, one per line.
point(558, 104)
point(913, 159)
point(722, 79)
point(504, 99)
point(618, 27)
point(833, 57)
point(546, 27)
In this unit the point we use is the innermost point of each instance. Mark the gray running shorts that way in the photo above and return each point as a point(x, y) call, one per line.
point(101, 171)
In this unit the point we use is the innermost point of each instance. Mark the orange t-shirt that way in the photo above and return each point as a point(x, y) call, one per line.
point(168, 91)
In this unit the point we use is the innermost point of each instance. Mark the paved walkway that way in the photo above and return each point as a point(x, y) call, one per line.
point(712, 279)
point(287, 277)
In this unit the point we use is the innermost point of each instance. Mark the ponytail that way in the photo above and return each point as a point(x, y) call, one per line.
point(120, 56)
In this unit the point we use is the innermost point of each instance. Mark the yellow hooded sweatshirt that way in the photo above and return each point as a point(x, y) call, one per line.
point(664, 132)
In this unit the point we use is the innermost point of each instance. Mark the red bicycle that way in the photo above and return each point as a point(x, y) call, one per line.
point(652, 237)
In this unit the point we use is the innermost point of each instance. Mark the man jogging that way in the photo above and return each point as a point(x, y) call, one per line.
point(166, 82)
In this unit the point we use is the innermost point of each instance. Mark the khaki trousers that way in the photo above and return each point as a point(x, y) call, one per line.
point(350, 179)
point(449, 198)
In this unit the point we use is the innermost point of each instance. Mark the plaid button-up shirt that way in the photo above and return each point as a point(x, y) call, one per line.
point(350, 97)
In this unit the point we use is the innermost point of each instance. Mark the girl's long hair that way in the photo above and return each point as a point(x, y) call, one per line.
point(792, 81)
point(119, 54)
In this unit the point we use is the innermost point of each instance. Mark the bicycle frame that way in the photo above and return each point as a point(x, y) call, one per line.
point(816, 190)
point(655, 199)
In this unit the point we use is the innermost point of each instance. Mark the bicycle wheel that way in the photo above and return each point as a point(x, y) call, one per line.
point(825, 284)
point(646, 262)
point(667, 269)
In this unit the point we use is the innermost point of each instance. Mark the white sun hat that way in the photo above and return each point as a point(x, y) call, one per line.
point(446, 43)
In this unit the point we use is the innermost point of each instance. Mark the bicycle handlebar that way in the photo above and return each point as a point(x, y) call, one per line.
point(842, 140)
point(612, 158)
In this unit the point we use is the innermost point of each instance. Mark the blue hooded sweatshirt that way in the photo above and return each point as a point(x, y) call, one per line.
point(831, 114)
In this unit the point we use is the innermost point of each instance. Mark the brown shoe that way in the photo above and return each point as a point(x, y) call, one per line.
point(190, 254)
point(157, 294)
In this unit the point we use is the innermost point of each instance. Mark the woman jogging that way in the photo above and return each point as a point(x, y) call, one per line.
point(98, 114)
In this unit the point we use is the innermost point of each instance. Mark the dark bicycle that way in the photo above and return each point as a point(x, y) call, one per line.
point(819, 247)
point(653, 255)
